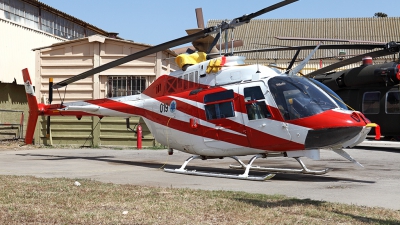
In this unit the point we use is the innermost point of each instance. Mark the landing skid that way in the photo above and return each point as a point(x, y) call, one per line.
point(304, 169)
point(244, 176)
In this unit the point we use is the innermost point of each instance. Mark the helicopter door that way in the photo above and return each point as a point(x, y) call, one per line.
point(258, 120)
point(223, 123)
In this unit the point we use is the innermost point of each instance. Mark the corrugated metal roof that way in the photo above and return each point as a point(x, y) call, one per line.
point(261, 33)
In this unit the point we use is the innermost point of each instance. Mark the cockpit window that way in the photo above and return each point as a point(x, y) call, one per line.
point(297, 97)
point(331, 93)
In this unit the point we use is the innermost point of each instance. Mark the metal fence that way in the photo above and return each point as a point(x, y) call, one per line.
point(9, 124)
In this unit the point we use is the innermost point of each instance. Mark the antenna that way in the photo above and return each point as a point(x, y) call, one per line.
point(220, 42)
point(232, 36)
point(258, 65)
point(226, 41)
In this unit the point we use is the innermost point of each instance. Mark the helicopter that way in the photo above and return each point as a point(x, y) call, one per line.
point(372, 89)
point(220, 107)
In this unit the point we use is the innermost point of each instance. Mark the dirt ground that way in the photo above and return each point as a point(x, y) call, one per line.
point(17, 144)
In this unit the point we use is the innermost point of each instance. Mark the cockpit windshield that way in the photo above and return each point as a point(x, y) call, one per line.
point(331, 93)
point(297, 97)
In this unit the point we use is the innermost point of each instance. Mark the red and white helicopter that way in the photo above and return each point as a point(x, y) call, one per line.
point(220, 107)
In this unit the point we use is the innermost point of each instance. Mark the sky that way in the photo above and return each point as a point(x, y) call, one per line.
point(158, 21)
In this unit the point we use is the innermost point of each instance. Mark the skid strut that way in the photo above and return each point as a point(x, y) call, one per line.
point(244, 176)
point(304, 169)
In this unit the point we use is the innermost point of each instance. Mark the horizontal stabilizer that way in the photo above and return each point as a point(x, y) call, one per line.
point(86, 108)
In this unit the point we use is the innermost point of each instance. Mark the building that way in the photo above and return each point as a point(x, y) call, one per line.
point(52, 43)
point(261, 33)
point(28, 24)
point(63, 60)
point(25, 25)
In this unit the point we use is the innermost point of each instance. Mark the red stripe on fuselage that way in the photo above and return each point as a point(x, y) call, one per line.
point(271, 142)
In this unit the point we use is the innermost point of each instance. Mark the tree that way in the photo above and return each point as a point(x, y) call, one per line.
point(380, 14)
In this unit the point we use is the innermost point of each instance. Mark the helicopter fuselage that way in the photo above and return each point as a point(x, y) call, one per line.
point(236, 109)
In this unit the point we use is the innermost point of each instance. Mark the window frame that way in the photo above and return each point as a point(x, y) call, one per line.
point(130, 85)
point(386, 102)
point(256, 108)
point(215, 105)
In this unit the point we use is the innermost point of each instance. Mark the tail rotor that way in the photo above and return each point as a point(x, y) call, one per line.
point(33, 107)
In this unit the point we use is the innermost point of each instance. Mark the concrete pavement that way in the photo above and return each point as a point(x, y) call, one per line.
point(377, 184)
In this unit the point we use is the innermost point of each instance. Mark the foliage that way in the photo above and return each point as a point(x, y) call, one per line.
point(380, 14)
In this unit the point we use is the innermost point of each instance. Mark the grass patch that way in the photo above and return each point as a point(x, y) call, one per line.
point(31, 200)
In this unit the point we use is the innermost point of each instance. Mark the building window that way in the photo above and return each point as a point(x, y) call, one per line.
point(125, 85)
point(392, 102)
point(370, 103)
point(90, 32)
point(79, 31)
point(59, 26)
point(20, 12)
point(11, 10)
point(28, 15)
point(48, 21)
point(219, 105)
point(31, 16)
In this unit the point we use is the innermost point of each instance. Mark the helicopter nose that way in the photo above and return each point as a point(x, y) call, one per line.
point(330, 136)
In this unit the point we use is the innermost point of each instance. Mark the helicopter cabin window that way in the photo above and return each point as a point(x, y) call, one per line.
point(219, 105)
point(125, 85)
point(185, 81)
point(393, 102)
point(191, 79)
point(196, 77)
point(370, 103)
point(255, 103)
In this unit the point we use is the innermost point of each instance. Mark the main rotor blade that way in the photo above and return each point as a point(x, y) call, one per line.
point(349, 61)
point(170, 44)
point(355, 46)
point(293, 60)
point(148, 51)
point(199, 18)
point(327, 39)
point(303, 63)
point(213, 43)
point(247, 18)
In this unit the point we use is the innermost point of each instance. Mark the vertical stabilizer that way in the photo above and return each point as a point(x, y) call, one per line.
point(33, 107)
